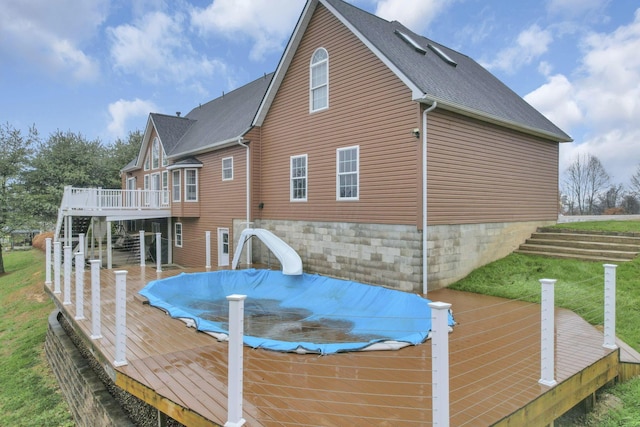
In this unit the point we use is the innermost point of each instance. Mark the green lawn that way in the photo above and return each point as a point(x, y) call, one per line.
point(29, 393)
point(579, 287)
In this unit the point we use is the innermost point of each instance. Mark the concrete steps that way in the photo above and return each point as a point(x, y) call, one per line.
point(590, 246)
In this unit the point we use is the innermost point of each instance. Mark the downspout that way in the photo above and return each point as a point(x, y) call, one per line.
point(424, 196)
point(248, 168)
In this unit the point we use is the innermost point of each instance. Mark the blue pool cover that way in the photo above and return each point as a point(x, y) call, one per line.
point(305, 313)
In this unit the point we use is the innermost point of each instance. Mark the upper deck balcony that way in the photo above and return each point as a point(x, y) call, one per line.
point(115, 203)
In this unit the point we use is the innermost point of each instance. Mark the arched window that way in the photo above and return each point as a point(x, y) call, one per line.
point(319, 80)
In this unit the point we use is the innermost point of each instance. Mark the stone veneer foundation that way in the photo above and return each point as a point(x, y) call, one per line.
point(391, 255)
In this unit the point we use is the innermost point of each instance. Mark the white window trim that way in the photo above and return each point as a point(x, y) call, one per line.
point(186, 184)
point(147, 160)
point(223, 169)
point(357, 172)
point(179, 185)
point(164, 183)
point(165, 161)
point(155, 153)
point(178, 241)
point(146, 186)
point(306, 177)
point(311, 87)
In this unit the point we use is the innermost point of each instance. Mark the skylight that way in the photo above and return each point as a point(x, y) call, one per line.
point(446, 58)
point(410, 41)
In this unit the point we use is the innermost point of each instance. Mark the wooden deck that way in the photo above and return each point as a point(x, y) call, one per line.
point(494, 368)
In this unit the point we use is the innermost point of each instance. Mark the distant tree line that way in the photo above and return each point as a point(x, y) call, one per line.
point(587, 190)
point(34, 172)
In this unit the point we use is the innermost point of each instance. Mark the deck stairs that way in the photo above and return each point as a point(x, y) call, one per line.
point(577, 244)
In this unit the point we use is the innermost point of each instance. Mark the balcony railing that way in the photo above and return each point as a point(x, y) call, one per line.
point(112, 199)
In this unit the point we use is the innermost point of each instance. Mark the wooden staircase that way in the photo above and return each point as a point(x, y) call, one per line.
point(584, 245)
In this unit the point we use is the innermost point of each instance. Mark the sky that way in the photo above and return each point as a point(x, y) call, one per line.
point(99, 67)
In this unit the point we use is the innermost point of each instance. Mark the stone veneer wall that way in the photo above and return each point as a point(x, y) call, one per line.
point(93, 398)
point(391, 255)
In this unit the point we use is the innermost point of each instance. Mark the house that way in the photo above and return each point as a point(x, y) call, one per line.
point(365, 135)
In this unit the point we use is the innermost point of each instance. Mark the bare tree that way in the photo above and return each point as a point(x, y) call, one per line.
point(586, 179)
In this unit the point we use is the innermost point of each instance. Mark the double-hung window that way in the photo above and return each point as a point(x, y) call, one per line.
point(175, 182)
point(165, 188)
point(298, 186)
point(348, 177)
point(319, 80)
point(227, 168)
point(178, 234)
point(191, 185)
point(146, 190)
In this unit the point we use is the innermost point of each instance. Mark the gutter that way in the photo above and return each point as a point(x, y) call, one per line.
point(424, 195)
point(248, 170)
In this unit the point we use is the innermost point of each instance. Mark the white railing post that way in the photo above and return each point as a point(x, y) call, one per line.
point(234, 379)
point(47, 257)
point(79, 286)
point(547, 333)
point(56, 267)
point(158, 252)
point(96, 332)
point(610, 306)
point(207, 242)
point(81, 247)
point(142, 249)
point(440, 363)
point(66, 297)
point(121, 318)
point(109, 247)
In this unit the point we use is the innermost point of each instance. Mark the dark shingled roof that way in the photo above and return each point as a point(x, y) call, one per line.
point(467, 87)
point(221, 120)
point(170, 129)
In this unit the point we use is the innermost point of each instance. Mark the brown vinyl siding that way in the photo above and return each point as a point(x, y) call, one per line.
point(219, 202)
point(369, 107)
point(479, 173)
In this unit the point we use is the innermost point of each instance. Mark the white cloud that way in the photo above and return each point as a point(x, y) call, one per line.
point(607, 93)
point(266, 23)
point(529, 45)
point(156, 49)
point(51, 34)
point(573, 8)
point(122, 112)
point(414, 14)
point(556, 100)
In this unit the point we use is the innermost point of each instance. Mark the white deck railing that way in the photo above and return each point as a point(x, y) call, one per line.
point(103, 199)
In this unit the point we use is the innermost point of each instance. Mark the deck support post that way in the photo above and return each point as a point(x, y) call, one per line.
point(109, 247)
point(610, 306)
point(56, 267)
point(440, 363)
point(66, 297)
point(79, 286)
point(81, 247)
point(142, 249)
point(547, 333)
point(47, 257)
point(158, 252)
point(234, 379)
point(207, 241)
point(121, 318)
point(96, 332)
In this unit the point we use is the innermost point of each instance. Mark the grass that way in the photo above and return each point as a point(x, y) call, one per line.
point(579, 287)
point(29, 393)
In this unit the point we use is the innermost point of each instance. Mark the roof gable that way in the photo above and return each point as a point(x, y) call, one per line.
point(222, 120)
point(429, 72)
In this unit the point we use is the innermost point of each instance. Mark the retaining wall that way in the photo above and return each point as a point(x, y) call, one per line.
point(391, 255)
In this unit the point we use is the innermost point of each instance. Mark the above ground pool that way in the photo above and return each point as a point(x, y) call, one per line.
point(304, 313)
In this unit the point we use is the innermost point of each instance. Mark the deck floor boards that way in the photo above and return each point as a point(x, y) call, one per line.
point(494, 364)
